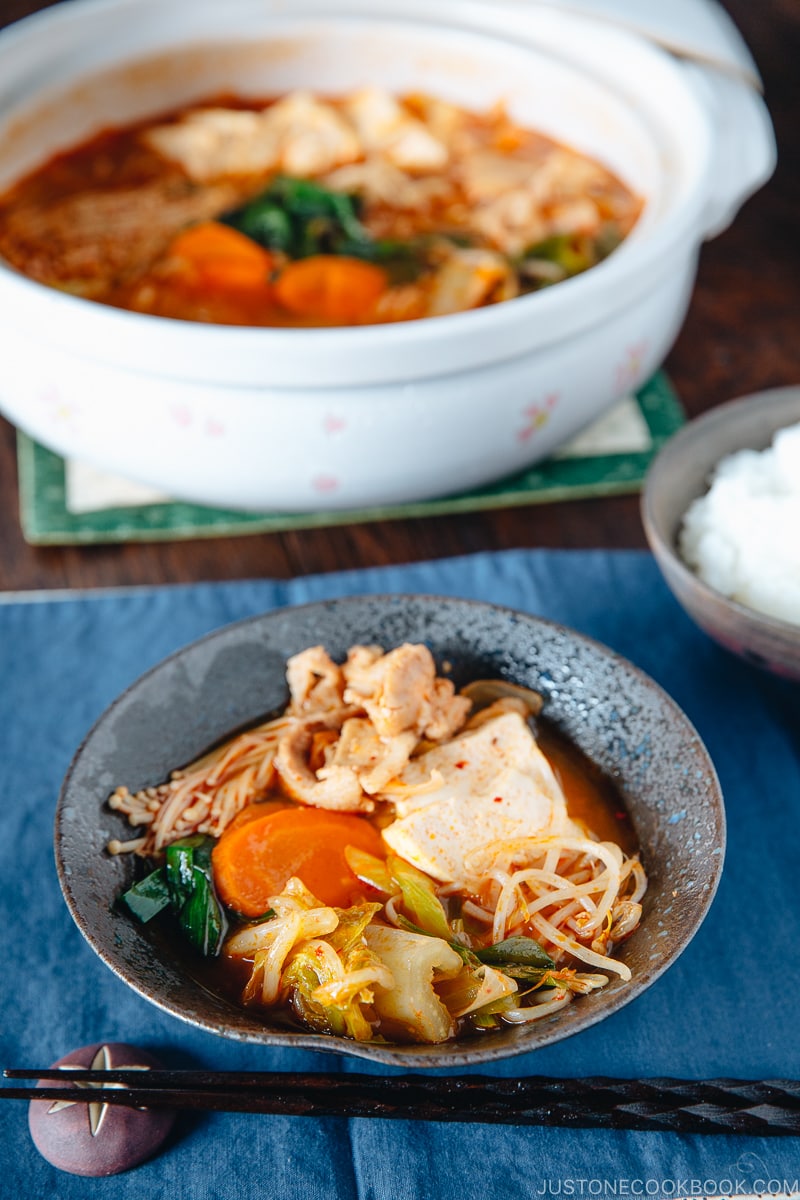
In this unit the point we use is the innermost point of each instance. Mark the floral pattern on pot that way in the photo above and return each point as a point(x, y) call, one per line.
point(630, 372)
point(325, 484)
point(333, 424)
point(185, 418)
point(57, 409)
point(536, 416)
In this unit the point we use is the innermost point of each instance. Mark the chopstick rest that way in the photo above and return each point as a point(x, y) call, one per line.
point(94, 1138)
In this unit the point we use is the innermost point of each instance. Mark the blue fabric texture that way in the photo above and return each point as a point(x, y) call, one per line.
point(727, 1008)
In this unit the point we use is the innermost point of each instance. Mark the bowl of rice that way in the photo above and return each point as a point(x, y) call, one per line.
point(721, 510)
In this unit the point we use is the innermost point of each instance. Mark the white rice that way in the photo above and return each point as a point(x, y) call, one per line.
point(743, 537)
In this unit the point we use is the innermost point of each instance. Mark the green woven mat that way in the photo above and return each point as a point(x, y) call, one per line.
point(46, 519)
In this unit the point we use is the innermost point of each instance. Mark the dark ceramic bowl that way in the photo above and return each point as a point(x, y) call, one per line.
point(608, 708)
point(679, 475)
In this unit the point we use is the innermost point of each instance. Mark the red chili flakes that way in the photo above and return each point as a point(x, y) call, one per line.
point(461, 764)
point(498, 800)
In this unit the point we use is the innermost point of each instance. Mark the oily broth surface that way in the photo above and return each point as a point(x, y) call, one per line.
point(592, 797)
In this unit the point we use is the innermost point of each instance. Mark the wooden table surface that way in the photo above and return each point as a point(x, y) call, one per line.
point(741, 335)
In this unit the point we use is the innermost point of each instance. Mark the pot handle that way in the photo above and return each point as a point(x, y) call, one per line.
point(745, 153)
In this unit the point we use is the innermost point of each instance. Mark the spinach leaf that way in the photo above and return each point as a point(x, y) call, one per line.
point(302, 218)
point(525, 974)
point(266, 223)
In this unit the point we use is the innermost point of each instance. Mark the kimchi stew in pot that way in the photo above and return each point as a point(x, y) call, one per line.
point(314, 211)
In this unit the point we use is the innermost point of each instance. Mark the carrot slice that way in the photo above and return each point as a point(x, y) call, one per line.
point(215, 257)
point(330, 287)
point(259, 809)
point(253, 860)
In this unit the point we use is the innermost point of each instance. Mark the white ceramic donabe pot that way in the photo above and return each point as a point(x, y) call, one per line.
point(316, 419)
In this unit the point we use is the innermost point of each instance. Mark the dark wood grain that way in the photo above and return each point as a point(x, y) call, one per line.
point(740, 335)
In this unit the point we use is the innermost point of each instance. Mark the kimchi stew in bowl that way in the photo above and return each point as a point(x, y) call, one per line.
point(389, 859)
point(429, 855)
point(312, 210)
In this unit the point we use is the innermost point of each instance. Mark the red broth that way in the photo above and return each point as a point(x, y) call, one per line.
point(504, 211)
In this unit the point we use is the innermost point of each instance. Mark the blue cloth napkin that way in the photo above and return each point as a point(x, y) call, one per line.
point(727, 1008)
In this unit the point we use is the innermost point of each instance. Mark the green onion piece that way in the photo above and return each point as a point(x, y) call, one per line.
point(488, 1016)
point(201, 918)
point(192, 893)
point(573, 254)
point(185, 885)
point(419, 898)
point(200, 843)
point(369, 869)
point(459, 992)
point(483, 1020)
point(179, 871)
point(150, 896)
point(607, 240)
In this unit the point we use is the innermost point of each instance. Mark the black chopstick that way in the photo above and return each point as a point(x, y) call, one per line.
point(766, 1108)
